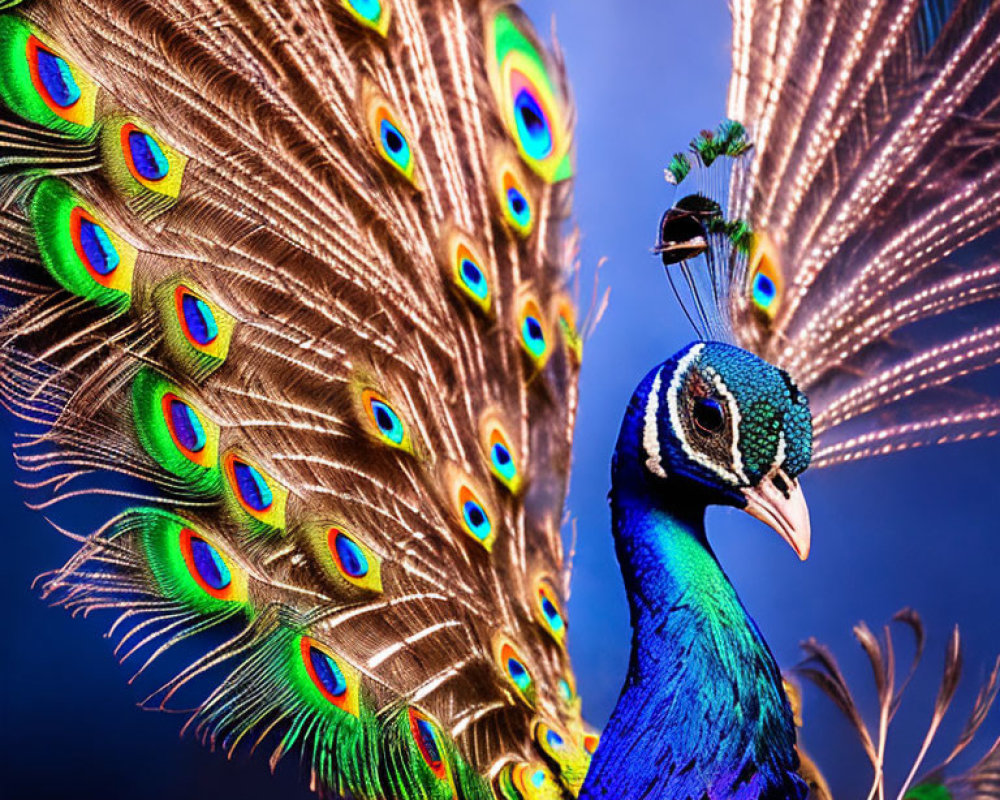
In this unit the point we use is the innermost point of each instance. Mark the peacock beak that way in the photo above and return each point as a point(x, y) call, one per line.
point(777, 501)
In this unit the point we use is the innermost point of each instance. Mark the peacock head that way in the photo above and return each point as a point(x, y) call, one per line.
point(721, 426)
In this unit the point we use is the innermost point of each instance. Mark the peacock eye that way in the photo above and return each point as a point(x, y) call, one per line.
point(708, 415)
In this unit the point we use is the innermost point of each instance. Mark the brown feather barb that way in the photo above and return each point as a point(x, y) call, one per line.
point(821, 668)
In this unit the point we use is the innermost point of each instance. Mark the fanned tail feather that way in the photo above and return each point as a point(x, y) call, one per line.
point(873, 194)
point(297, 274)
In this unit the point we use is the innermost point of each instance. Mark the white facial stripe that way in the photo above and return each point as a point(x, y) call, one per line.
point(735, 417)
point(779, 456)
point(650, 429)
point(673, 402)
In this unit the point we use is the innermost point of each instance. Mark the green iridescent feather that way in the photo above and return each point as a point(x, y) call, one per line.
point(149, 389)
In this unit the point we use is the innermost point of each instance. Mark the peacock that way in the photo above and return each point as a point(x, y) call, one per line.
point(290, 291)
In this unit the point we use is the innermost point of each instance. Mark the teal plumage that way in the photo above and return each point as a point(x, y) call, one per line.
point(299, 274)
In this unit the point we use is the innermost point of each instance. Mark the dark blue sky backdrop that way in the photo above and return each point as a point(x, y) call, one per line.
point(919, 529)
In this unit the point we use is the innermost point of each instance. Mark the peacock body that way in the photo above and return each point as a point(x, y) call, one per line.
point(298, 274)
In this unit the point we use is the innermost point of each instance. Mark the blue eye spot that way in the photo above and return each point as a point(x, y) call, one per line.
point(551, 614)
point(564, 691)
point(57, 78)
point(327, 672)
point(474, 279)
point(518, 674)
point(518, 206)
point(388, 421)
point(186, 426)
point(533, 336)
point(428, 743)
point(502, 461)
point(555, 741)
point(147, 156)
point(199, 319)
point(252, 486)
point(100, 253)
point(476, 520)
point(501, 455)
point(764, 290)
point(532, 126)
point(371, 10)
point(210, 565)
point(352, 558)
point(394, 144)
point(538, 779)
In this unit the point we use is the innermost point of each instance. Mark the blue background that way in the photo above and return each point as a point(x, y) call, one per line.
point(918, 529)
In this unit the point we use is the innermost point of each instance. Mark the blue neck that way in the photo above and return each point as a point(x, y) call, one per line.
point(703, 712)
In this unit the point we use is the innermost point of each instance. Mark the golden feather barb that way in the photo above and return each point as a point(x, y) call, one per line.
point(298, 272)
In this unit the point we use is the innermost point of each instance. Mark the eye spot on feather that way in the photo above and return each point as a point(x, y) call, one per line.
point(140, 164)
point(196, 332)
point(185, 426)
point(473, 278)
point(334, 680)
point(350, 557)
point(554, 743)
point(765, 283)
point(251, 487)
point(94, 246)
point(54, 77)
point(373, 14)
point(189, 566)
point(196, 318)
point(394, 145)
point(389, 135)
point(347, 564)
point(515, 671)
point(532, 110)
point(470, 275)
point(527, 781)
point(255, 496)
point(764, 291)
point(548, 611)
point(327, 675)
point(427, 738)
point(97, 251)
point(175, 433)
point(208, 566)
point(516, 203)
point(533, 128)
point(534, 337)
point(79, 250)
point(475, 517)
point(500, 454)
point(591, 742)
point(145, 157)
point(386, 424)
point(517, 206)
point(39, 84)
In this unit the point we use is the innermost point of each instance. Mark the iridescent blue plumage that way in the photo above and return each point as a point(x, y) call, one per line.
point(703, 699)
